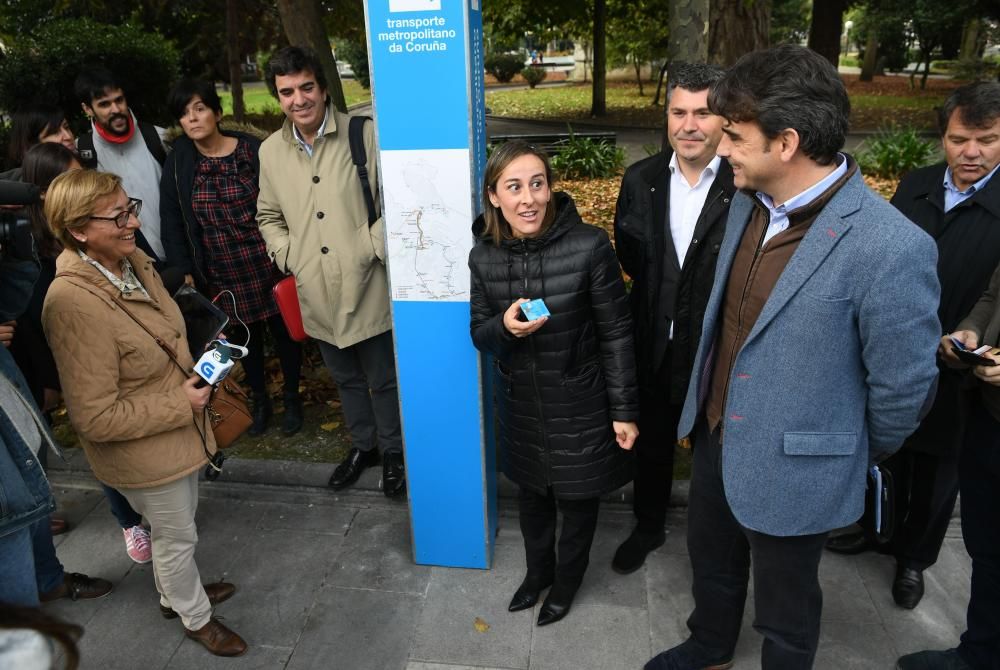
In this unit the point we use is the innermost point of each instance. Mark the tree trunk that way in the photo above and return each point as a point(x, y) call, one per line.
point(971, 45)
point(688, 22)
point(659, 81)
point(638, 73)
point(871, 56)
point(737, 27)
point(303, 23)
point(233, 57)
point(599, 105)
point(826, 29)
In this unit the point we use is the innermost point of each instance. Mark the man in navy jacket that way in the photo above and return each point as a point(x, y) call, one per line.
point(816, 358)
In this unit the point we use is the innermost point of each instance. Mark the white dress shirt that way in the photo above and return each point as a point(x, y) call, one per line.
point(686, 203)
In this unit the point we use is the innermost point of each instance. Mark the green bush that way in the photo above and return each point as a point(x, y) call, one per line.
point(42, 67)
point(504, 66)
point(584, 157)
point(533, 75)
point(893, 152)
point(356, 55)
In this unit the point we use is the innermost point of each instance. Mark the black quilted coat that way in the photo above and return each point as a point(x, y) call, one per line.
point(558, 390)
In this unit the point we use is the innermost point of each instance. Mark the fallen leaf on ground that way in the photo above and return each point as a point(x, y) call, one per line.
point(481, 625)
point(331, 425)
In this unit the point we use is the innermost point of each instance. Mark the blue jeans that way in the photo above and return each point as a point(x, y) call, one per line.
point(17, 569)
point(48, 570)
point(127, 517)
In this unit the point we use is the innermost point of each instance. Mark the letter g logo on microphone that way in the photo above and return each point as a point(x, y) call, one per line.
point(206, 370)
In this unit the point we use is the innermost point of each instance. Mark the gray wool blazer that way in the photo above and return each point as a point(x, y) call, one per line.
point(836, 370)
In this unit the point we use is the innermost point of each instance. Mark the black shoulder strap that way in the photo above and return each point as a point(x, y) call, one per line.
point(85, 147)
point(88, 154)
point(355, 134)
point(153, 142)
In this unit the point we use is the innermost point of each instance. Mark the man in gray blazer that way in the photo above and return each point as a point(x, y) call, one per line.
point(817, 356)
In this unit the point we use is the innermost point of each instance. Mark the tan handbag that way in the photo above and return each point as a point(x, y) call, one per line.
point(229, 413)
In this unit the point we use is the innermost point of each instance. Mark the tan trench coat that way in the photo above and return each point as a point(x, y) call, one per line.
point(122, 391)
point(312, 215)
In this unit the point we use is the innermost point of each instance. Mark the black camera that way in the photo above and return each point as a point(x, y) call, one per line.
point(15, 227)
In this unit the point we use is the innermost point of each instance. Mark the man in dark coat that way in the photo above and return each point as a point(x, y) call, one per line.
point(958, 203)
point(669, 221)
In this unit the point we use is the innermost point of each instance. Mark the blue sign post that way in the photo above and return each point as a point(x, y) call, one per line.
point(427, 87)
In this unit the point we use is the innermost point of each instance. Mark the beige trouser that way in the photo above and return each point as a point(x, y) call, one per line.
point(170, 509)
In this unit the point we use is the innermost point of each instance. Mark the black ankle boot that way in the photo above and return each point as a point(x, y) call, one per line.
point(261, 413)
point(292, 423)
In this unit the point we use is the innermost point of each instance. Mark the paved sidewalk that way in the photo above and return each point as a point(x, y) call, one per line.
point(326, 581)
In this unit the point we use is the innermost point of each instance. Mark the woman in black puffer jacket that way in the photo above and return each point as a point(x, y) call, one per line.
point(565, 385)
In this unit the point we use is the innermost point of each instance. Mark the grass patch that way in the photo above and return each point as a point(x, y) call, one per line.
point(873, 104)
point(258, 99)
point(572, 102)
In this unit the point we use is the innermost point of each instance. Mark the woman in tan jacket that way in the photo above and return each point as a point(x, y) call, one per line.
point(139, 415)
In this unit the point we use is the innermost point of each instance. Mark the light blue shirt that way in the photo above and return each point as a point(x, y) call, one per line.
point(952, 196)
point(779, 213)
point(319, 133)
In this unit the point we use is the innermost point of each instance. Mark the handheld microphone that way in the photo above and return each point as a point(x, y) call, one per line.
point(215, 364)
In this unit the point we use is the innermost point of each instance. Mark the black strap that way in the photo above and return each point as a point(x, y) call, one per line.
point(85, 147)
point(355, 134)
point(153, 142)
point(88, 154)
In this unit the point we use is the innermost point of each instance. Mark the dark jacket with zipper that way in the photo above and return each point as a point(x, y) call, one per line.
point(180, 231)
point(663, 292)
point(968, 242)
point(558, 389)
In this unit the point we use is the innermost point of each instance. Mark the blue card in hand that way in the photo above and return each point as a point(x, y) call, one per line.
point(534, 309)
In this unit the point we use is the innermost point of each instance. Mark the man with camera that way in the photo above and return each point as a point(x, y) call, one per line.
point(30, 572)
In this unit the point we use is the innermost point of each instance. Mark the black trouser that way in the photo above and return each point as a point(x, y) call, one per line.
point(289, 356)
point(537, 516)
point(654, 452)
point(365, 374)
point(979, 472)
point(926, 489)
point(787, 596)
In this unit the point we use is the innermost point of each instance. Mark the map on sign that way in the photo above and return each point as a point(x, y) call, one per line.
point(428, 224)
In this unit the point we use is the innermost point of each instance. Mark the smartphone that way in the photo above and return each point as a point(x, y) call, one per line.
point(975, 357)
point(534, 309)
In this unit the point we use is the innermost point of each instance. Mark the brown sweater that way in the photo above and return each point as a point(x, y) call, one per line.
point(753, 275)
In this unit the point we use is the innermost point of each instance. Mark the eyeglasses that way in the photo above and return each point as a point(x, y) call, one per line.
point(133, 208)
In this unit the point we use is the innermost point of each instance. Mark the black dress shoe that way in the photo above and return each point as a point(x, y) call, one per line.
point(556, 605)
point(908, 587)
point(849, 543)
point(527, 593)
point(632, 552)
point(393, 474)
point(348, 472)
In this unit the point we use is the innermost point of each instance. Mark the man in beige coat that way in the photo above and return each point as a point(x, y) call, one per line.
point(312, 214)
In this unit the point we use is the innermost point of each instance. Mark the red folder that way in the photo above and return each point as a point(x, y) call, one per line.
point(287, 297)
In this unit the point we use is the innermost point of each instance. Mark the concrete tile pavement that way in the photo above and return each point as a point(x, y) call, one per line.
point(326, 581)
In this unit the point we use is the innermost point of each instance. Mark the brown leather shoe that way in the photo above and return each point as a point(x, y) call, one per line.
point(218, 639)
point(76, 586)
point(218, 592)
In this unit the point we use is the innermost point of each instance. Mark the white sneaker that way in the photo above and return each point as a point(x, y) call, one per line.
point(137, 544)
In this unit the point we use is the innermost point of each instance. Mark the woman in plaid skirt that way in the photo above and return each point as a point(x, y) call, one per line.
point(208, 209)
